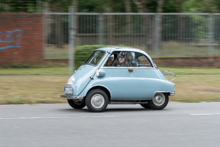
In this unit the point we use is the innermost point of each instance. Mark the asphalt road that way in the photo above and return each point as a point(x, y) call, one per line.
point(51, 125)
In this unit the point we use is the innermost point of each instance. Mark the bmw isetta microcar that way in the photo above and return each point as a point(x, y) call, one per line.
point(118, 75)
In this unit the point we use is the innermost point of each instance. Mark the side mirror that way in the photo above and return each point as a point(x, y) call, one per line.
point(100, 73)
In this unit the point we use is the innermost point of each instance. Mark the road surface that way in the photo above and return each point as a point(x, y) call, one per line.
point(51, 125)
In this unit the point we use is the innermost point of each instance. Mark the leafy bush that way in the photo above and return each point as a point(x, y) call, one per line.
point(83, 52)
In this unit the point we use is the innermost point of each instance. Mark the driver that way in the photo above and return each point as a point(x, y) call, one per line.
point(121, 60)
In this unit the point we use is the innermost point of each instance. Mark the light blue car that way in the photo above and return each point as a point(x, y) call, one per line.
point(116, 75)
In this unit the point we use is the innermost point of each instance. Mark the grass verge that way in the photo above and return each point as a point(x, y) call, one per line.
point(65, 70)
point(32, 90)
point(35, 71)
point(193, 71)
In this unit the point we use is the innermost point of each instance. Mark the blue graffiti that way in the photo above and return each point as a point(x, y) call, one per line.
point(11, 37)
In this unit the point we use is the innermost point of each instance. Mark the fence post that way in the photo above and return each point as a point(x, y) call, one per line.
point(100, 29)
point(210, 35)
point(156, 35)
point(71, 41)
point(45, 28)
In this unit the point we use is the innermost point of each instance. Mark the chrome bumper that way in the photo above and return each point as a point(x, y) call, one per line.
point(71, 97)
point(172, 93)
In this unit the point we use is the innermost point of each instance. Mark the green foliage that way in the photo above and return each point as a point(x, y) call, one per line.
point(32, 6)
point(170, 6)
point(83, 52)
point(201, 6)
point(91, 6)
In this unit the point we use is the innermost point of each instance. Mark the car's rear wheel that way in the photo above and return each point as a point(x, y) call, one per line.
point(159, 101)
point(76, 104)
point(97, 100)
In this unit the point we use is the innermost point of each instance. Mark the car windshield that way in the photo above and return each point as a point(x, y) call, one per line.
point(95, 57)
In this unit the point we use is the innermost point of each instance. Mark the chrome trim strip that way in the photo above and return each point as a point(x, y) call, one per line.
point(126, 102)
point(71, 97)
point(168, 72)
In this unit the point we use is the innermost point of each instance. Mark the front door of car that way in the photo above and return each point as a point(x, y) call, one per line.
point(125, 78)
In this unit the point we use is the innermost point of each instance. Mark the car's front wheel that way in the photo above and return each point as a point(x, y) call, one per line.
point(97, 100)
point(159, 101)
point(76, 104)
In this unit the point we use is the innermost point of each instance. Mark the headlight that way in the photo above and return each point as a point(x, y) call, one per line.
point(68, 90)
point(71, 80)
point(97, 72)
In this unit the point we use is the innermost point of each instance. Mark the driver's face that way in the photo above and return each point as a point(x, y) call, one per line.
point(121, 59)
point(110, 62)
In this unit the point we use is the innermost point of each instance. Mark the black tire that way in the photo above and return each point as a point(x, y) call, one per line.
point(146, 106)
point(76, 105)
point(97, 100)
point(159, 106)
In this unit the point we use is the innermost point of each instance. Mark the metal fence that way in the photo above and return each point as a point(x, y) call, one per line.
point(175, 34)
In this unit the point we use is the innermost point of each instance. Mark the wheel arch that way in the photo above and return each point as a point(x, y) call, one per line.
point(164, 92)
point(102, 88)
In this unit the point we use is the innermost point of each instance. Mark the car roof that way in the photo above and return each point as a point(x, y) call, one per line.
point(116, 48)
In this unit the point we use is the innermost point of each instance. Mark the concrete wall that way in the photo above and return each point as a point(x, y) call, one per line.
point(21, 38)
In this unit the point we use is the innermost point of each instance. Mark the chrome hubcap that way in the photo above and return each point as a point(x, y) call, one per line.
point(97, 101)
point(159, 99)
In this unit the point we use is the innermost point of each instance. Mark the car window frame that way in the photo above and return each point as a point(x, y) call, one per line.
point(147, 59)
point(99, 60)
point(103, 66)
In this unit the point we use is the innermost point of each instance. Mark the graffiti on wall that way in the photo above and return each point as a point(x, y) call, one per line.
point(10, 39)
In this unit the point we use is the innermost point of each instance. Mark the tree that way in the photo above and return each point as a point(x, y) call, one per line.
point(180, 20)
point(75, 21)
point(128, 20)
point(158, 26)
point(147, 21)
point(110, 22)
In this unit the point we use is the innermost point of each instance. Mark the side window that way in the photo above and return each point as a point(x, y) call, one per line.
point(120, 59)
point(127, 59)
point(112, 60)
point(95, 60)
point(142, 61)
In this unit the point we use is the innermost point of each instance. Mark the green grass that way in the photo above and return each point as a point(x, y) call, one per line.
point(35, 71)
point(32, 90)
point(193, 71)
point(65, 71)
point(196, 89)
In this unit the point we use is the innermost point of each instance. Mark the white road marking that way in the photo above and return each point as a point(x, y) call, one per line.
point(206, 114)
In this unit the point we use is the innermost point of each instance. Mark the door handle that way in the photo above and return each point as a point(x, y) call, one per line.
point(130, 70)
